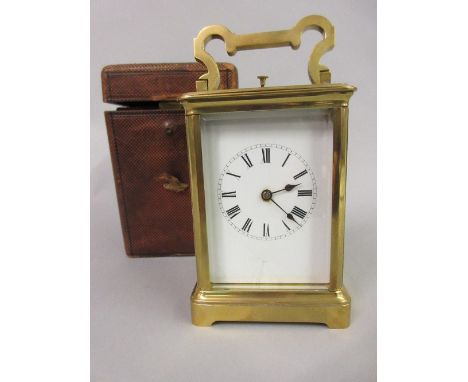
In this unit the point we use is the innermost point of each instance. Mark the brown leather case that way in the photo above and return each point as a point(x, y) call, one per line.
point(149, 153)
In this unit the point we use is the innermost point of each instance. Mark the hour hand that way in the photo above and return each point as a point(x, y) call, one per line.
point(288, 187)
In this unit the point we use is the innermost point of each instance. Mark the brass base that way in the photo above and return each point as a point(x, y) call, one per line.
point(305, 306)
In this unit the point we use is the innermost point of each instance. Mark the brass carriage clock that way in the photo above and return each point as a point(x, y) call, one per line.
point(268, 179)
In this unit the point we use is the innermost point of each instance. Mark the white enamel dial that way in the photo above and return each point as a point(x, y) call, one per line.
point(267, 191)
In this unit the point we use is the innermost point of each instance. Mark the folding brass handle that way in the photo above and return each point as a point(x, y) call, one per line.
point(172, 183)
point(318, 73)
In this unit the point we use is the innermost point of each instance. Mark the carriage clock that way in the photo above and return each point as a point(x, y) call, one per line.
point(268, 183)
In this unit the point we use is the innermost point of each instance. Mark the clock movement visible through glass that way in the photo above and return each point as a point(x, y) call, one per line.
point(267, 191)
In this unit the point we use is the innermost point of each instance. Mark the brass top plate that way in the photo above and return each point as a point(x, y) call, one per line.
point(267, 92)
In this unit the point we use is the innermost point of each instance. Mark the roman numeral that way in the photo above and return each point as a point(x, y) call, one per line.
point(286, 225)
point(304, 192)
point(231, 194)
point(247, 160)
point(230, 173)
point(247, 225)
point(287, 157)
point(302, 173)
point(299, 212)
point(266, 230)
point(266, 155)
point(233, 212)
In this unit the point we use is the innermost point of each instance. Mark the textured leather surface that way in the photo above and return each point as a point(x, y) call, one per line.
point(155, 221)
point(140, 83)
point(148, 150)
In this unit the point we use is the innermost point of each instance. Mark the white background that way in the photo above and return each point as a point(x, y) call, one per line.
point(45, 231)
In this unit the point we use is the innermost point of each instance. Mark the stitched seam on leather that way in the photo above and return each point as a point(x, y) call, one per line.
point(124, 199)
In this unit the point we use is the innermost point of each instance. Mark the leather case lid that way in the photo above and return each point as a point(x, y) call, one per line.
point(133, 84)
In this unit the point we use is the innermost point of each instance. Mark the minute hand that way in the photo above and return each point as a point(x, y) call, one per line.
point(288, 214)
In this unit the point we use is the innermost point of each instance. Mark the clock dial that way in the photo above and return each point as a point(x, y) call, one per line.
point(267, 192)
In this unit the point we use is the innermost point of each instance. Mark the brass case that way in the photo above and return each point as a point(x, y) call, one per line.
point(307, 303)
point(211, 302)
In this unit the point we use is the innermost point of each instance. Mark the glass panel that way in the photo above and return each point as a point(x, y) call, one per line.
point(268, 185)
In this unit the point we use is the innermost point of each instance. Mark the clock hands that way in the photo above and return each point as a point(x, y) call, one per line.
point(288, 187)
point(288, 214)
point(267, 195)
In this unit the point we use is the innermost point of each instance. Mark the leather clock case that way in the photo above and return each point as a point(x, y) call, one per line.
point(149, 153)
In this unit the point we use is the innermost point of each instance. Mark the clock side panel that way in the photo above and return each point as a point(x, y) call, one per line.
point(275, 255)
